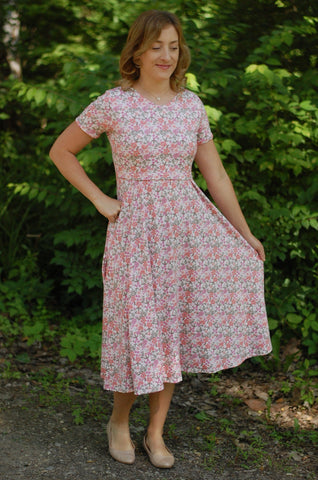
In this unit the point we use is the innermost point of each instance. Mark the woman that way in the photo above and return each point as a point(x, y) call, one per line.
point(183, 284)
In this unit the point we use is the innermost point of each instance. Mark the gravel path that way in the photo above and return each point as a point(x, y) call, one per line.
point(212, 437)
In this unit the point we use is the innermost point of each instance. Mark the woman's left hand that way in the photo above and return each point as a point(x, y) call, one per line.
point(257, 245)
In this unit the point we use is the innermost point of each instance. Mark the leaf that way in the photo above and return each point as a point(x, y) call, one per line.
point(308, 106)
point(42, 195)
point(293, 318)
point(279, 212)
point(288, 37)
point(70, 354)
point(273, 324)
point(202, 416)
point(314, 325)
point(313, 222)
point(192, 82)
point(30, 94)
point(33, 193)
point(263, 70)
point(214, 115)
point(276, 340)
point(228, 145)
point(60, 105)
point(255, 404)
point(39, 96)
point(51, 99)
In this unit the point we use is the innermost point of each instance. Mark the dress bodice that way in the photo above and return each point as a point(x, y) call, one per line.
point(148, 141)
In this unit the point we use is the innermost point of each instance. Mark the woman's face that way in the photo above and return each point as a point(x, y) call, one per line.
point(160, 60)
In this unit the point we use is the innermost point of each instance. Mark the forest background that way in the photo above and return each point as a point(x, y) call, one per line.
point(254, 65)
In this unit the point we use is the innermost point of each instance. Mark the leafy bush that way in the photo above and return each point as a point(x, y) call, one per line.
point(254, 68)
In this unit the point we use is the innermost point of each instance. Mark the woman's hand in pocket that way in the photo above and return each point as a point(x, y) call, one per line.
point(108, 207)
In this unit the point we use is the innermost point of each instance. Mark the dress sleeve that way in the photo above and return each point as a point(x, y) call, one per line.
point(97, 117)
point(204, 133)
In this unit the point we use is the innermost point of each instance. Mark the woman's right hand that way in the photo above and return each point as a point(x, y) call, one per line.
point(108, 207)
point(63, 153)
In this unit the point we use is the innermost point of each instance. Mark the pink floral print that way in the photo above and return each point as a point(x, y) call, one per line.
point(183, 290)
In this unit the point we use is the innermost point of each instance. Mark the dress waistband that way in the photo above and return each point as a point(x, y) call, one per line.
point(164, 179)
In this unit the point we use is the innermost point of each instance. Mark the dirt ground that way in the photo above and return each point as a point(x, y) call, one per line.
point(236, 425)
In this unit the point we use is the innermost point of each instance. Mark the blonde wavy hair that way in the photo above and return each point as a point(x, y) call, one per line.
point(143, 33)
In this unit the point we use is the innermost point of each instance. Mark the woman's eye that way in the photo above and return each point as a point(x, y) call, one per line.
point(171, 48)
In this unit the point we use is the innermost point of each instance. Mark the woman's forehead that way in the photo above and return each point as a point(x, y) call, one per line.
point(168, 33)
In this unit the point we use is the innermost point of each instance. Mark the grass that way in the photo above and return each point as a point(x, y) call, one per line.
point(248, 447)
point(54, 390)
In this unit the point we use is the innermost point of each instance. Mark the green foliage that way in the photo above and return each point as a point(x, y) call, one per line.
point(261, 96)
point(202, 416)
point(79, 342)
point(254, 66)
point(57, 390)
point(305, 381)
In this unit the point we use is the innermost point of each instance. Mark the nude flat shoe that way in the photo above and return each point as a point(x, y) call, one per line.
point(157, 460)
point(122, 456)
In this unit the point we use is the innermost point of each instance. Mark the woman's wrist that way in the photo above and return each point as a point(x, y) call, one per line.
point(245, 232)
point(97, 197)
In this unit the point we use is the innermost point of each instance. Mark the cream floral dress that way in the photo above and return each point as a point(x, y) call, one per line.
point(183, 290)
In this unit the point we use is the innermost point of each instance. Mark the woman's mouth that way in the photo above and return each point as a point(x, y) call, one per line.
point(163, 67)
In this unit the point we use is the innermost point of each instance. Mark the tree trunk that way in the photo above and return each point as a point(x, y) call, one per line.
point(11, 38)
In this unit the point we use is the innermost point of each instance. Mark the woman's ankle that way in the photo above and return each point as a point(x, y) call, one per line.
point(119, 423)
point(154, 432)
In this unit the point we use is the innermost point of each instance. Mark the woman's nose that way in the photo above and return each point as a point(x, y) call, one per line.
point(165, 54)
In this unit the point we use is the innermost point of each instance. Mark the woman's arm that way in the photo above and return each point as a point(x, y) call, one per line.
point(222, 192)
point(63, 154)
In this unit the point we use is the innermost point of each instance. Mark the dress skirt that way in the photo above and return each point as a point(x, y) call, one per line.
point(183, 291)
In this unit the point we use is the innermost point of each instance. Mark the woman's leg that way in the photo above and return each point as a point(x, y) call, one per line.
point(120, 420)
point(159, 403)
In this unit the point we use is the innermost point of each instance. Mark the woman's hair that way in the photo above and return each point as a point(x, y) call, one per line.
point(143, 33)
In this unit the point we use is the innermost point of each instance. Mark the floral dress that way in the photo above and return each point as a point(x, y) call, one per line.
point(183, 290)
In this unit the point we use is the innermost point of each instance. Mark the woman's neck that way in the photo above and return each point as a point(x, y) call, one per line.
point(153, 88)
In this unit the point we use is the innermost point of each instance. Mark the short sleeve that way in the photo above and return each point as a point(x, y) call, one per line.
point(204, 133)
point(97, 117)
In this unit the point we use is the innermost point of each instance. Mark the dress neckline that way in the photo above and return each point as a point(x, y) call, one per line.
point(172, 100)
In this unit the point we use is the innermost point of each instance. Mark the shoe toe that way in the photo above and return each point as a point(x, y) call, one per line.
point(162, 461)
point(122, 456)
point(158, 460)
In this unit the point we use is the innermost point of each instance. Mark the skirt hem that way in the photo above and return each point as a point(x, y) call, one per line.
point(178, 378)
